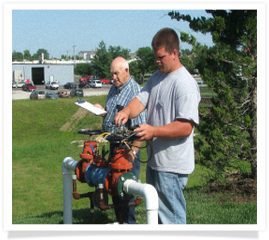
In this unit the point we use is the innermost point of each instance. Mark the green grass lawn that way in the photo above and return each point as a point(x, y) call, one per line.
point(39, 145)
point(206, 92)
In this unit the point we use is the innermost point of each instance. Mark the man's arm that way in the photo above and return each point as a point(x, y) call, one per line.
point(137, 144)
point(176, 129)
point(132, 110)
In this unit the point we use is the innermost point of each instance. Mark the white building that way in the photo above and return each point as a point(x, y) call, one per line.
point(41, 73)
point(86, 55)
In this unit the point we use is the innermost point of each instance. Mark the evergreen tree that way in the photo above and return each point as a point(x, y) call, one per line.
point(103, 58)
point(101, 61)
point(228, 127)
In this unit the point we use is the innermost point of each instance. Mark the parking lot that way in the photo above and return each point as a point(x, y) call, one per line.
point(18, 93)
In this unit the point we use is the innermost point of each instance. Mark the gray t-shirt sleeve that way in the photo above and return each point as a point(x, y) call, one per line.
point(186, 107)
point(143, 96)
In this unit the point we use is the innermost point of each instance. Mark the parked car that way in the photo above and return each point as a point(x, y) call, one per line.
point(76, 92)
point(105, 81)
point(85, 78)
point(28, 87)
point(20, 84)
point(96, 84)
point(52, 85)
point(37, 95)
point(83, 85)
point(63, 94)
point(70, 85)
point(51, 95)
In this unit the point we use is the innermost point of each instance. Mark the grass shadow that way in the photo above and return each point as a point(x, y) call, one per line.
point(80, 216)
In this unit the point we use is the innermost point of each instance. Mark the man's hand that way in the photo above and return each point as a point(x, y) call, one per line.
point(132, 110)
point(146, 132)
point(99, 106)
point(131, 157)
point(121, 118)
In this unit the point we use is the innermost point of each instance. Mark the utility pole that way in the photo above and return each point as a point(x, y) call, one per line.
point(74, 53)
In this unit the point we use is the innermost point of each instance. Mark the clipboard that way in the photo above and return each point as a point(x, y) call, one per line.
point(90, 107)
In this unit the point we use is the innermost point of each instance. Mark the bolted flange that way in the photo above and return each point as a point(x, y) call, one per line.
point(121, 180)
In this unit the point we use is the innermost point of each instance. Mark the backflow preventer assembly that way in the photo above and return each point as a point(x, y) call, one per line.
point(108, 175)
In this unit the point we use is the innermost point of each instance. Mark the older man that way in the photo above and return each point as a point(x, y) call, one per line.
point(124, 89)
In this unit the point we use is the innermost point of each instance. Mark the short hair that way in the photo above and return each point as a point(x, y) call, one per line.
point(125, 64)
point(166, 38)
point(121, 62)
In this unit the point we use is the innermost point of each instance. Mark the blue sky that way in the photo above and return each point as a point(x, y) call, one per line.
point(57, 26)
point(58, 30)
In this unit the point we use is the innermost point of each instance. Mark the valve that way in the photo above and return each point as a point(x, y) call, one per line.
point(88, 154)
point(95, 169)
point(107, 175)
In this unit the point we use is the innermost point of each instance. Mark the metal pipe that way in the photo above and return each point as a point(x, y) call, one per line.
point(75, 193)
point(136, 202)
point(68, 166)
point(102, 205)
point(149, 193)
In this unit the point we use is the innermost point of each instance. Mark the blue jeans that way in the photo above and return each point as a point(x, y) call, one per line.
point(169, 186)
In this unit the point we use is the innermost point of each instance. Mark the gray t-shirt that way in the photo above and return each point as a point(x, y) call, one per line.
point(169, 97)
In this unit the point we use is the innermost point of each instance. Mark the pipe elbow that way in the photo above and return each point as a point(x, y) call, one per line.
point(151, 197)
point(103, 206)
point(76, 196)
point(147, 191)
point(69, 165)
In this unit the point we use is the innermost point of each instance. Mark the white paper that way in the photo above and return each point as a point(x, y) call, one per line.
point(90, 107)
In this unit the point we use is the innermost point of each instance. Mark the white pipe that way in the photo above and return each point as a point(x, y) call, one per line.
point(68, 166)
point(149, 193)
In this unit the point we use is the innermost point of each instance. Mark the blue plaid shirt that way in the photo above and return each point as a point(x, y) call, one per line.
point(121, 96)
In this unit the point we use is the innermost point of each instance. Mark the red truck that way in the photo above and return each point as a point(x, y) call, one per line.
point(105, 81)
point(28, 87)
point(85, 79)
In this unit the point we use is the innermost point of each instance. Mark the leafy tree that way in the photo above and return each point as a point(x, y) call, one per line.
point(135, 71)
point(83, 69)
point(17, 56)
point(186, 51)
point(103, 58)
point(229, 126)
point(101, 61)
point(146, 61)
point(119, 52)
point(27, 54)
point(39, 51)
point(188, 63)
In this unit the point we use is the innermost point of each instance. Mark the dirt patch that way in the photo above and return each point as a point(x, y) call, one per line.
point(79, 114)
point(238, 189)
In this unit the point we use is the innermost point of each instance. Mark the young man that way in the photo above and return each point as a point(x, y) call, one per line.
point(124, 89)
point(171, 97)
